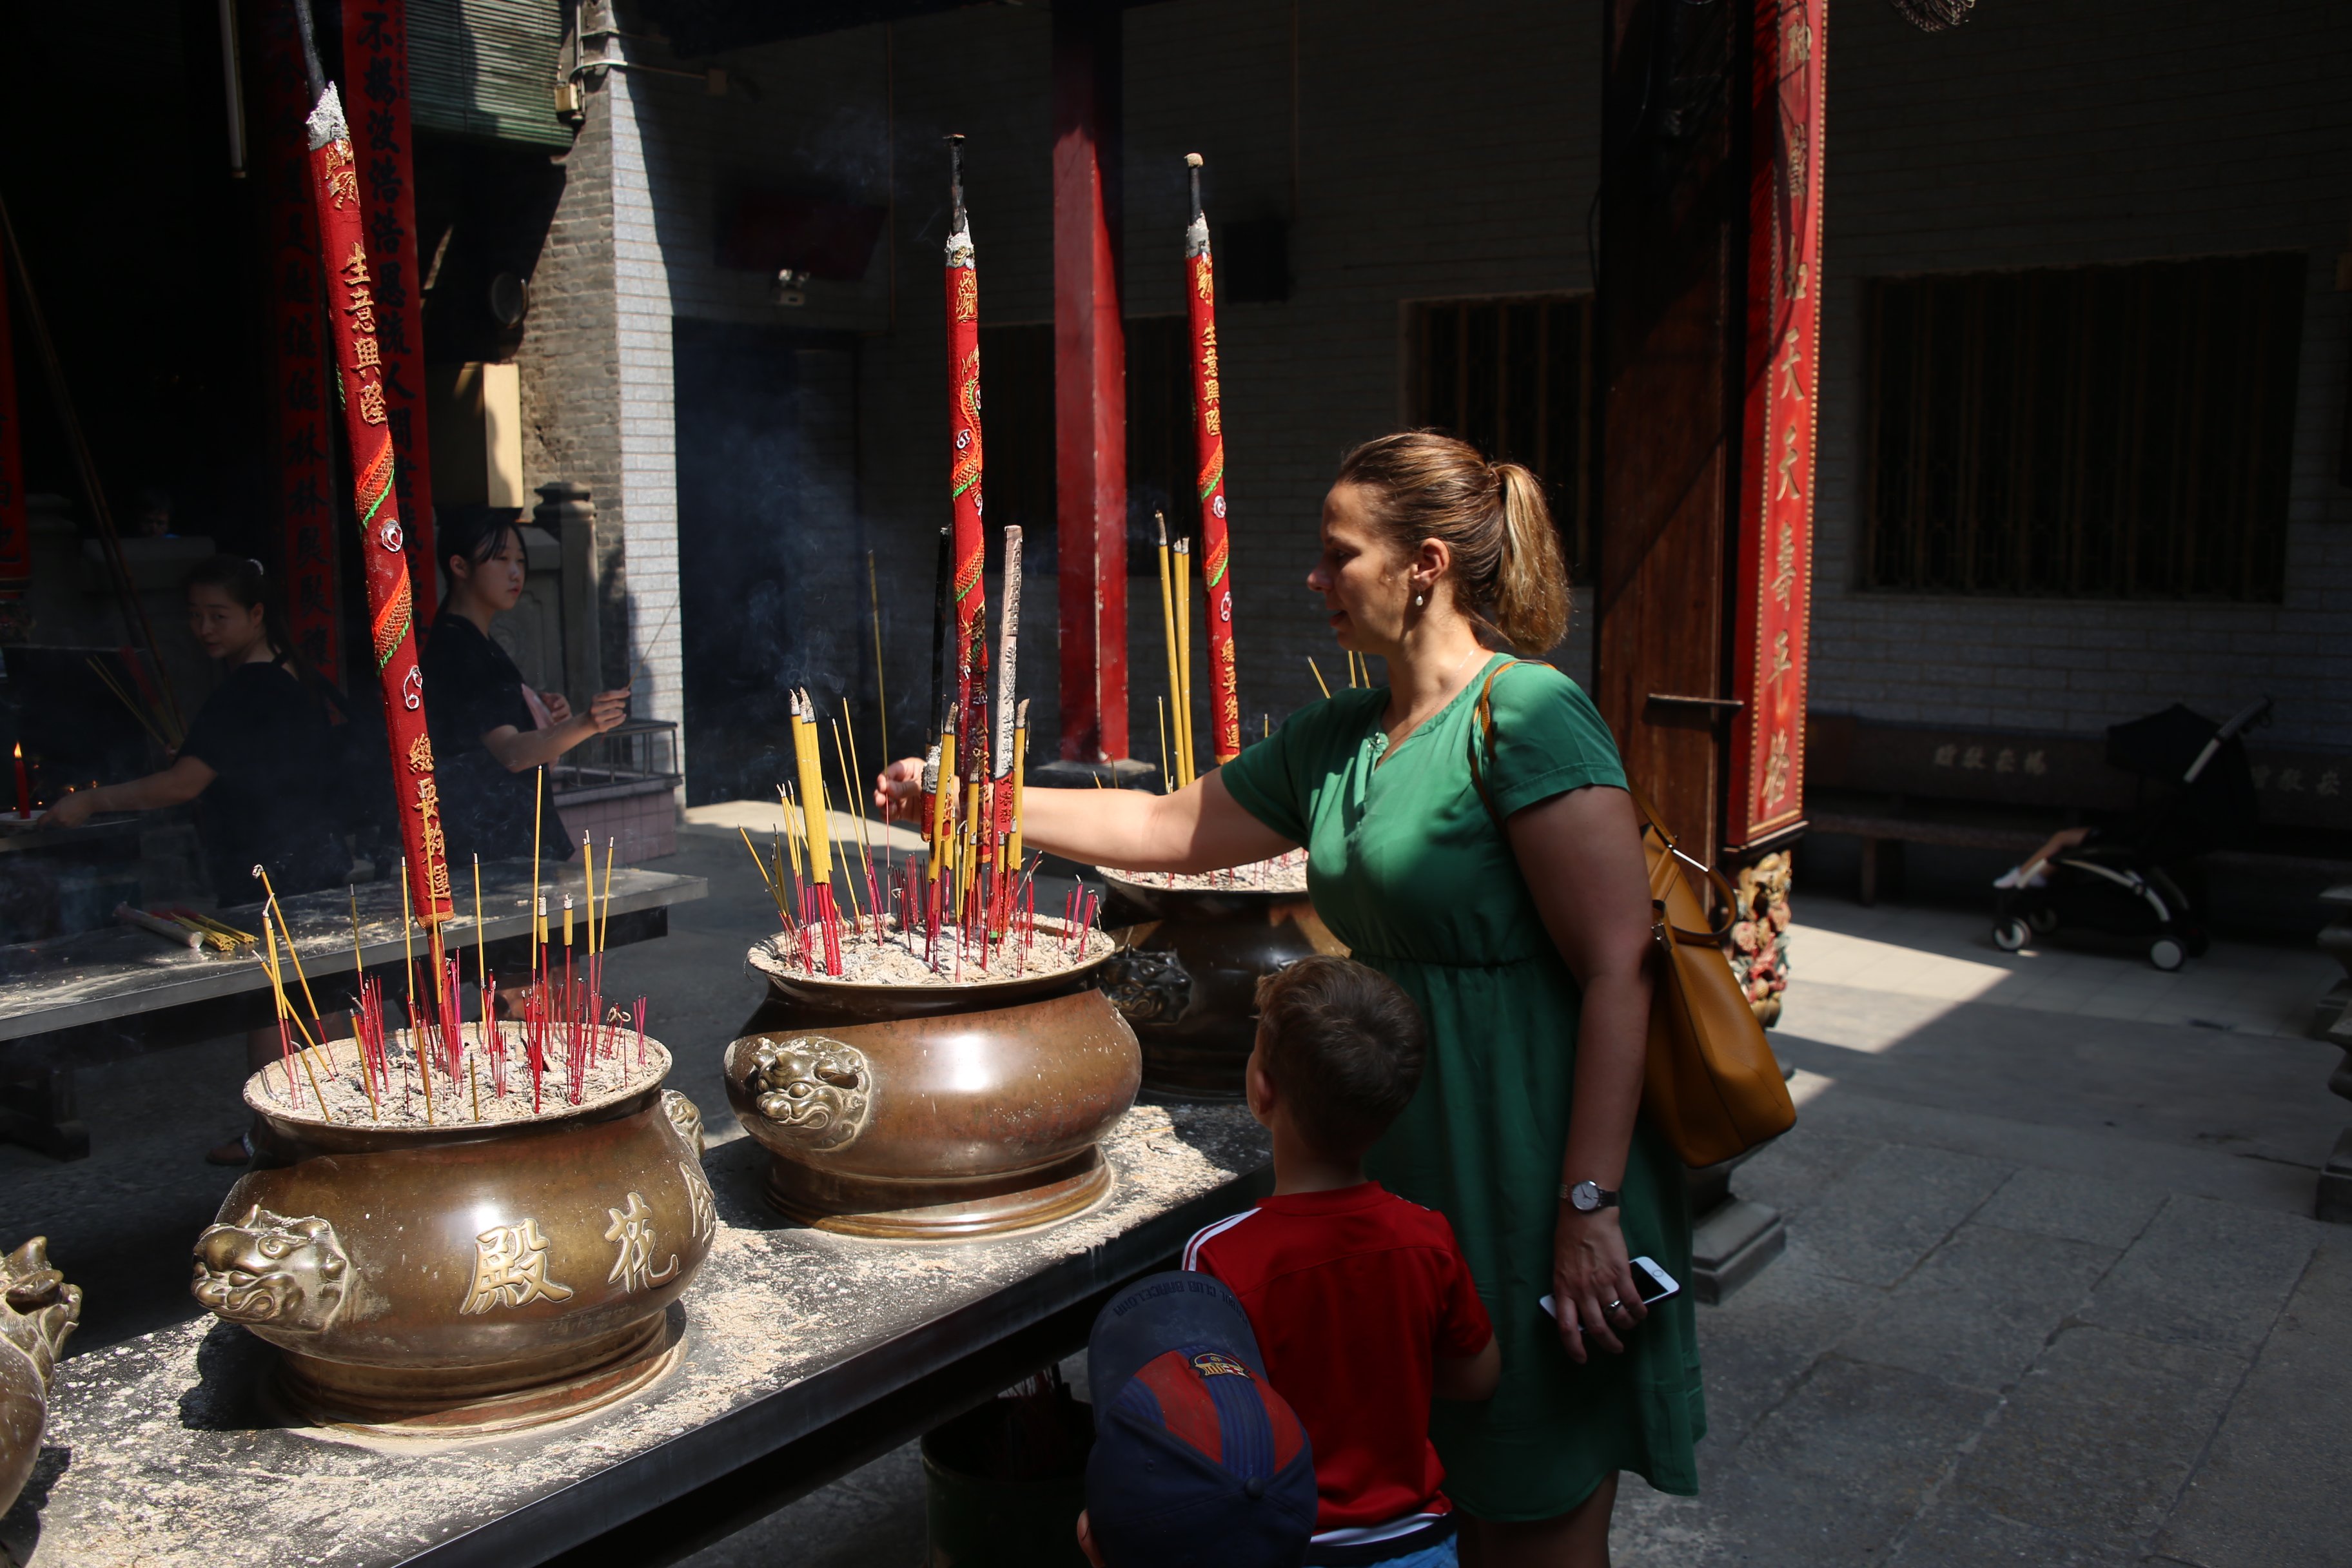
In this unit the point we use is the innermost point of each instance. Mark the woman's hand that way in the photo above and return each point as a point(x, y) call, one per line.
point(1589, 1273)
point(898, 788)
point(558, 706)
point(606, 709)
point(75, 809)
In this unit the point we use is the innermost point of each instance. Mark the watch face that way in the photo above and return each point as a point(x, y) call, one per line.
point(1585, 1195)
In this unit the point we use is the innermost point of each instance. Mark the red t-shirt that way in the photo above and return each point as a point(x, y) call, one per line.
point(1354, 1294)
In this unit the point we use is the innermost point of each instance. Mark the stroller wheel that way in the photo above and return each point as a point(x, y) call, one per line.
point(2198, 941)
point(2010, 934)
point(2167, 954)
point(2043, 920)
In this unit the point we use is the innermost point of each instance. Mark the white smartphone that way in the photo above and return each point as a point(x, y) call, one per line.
point(1654, 1283)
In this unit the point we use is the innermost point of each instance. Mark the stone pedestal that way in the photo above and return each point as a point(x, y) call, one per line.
point(2333, 1202)
point(1732, 1238)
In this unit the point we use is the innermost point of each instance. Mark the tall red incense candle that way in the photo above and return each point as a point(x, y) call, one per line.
point(963, 476)
point(1209, 443)
point(358, 364)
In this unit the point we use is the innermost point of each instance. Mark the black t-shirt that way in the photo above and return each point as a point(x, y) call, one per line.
point(471, 688)
point(273, 802)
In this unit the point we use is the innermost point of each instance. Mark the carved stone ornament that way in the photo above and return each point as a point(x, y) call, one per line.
point(1148, 984)
point(38, 1311)
point(686, 1117)
point(291, 1274)
point(818, 1091)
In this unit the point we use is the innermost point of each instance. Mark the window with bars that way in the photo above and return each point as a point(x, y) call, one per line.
point(2093, 432)
point(1514, 378)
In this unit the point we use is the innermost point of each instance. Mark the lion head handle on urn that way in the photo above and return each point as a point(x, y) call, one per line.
point(288, 1273)
point(38, 1311)
point(819, 1089)
point(41, 1308)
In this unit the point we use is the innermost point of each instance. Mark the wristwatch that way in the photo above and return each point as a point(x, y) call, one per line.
point(1587, 1197)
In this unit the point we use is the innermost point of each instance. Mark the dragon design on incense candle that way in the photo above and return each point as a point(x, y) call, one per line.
point(813, 1088)
point(292, 1274)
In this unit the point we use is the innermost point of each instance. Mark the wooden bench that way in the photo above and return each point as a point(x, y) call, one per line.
point(2007, 790)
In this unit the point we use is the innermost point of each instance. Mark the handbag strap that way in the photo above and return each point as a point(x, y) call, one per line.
point(1482, 733)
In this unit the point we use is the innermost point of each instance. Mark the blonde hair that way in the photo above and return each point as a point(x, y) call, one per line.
point(1508, 575)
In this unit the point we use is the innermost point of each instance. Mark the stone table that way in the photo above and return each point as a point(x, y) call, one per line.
point(105, 994)
point(806, 1355)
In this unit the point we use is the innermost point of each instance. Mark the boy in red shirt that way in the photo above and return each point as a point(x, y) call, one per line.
point(1363, 1304)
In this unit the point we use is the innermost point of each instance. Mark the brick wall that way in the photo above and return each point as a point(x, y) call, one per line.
point(2097, 132)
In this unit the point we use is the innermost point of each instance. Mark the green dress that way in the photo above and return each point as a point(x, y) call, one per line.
point(1406, 865)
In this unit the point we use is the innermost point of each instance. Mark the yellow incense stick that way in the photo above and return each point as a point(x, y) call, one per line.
point(588, 884)
point(881, 697)
point(1020, 775)
point(481, 952)
point(538, 910)
point(1318, 676)
point(1168, 635)
point(263, 873)
point(1167, 779)
point(812, 777)
point(604, 900)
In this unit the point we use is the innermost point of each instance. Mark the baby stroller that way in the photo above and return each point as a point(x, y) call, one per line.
point(2196, 794)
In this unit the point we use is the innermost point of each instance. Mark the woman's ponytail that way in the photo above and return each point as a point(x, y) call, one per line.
point(1508, 574)
point(1530, 579)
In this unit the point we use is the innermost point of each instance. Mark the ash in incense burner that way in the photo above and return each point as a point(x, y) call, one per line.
point(1194, 949)
point(475, 1273)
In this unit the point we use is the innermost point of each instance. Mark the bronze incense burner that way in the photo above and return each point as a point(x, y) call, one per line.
point(932, 1111)
point(38, 1311)
point(1186, 978)
point(467, 1278)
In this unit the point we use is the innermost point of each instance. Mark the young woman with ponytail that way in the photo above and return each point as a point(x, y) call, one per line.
point(1507, 895)
point(257, 759)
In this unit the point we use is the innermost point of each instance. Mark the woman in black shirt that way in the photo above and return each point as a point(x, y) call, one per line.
point(260, 759)
point(491, 733)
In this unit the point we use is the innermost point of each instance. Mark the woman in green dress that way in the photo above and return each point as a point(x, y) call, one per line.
point(1509, 897)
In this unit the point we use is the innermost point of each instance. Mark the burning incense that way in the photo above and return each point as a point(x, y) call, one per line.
point(604, 902)
point(359, 391)
point(1168, 636)
point(1209, 448)
point(1182, 699)
point(964, 432)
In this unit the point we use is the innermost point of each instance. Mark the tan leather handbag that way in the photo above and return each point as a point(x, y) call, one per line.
point(1710, 1082)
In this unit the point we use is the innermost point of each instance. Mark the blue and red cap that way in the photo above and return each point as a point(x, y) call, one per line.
point(1197, 1460)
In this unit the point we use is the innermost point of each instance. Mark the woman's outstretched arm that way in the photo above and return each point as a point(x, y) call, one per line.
point(1200, 827)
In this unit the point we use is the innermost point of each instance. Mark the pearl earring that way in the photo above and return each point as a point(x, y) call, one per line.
point(1418, 601)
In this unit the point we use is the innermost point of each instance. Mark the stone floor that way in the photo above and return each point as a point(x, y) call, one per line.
point(2052, 1296)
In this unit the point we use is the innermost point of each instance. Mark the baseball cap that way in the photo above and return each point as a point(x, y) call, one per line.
point(1196, 1458)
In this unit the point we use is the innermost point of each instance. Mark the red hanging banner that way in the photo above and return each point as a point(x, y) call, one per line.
point(299, 388)
point(1208, 444)
point(359, 360)
point(963, 480)
point(1774, 589)
point(15, 543)
point(375, 62)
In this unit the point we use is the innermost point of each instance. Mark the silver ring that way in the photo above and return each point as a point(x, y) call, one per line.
point(1612, 1307)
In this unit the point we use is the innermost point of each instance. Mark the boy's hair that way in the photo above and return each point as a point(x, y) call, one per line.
point(1343, 1045)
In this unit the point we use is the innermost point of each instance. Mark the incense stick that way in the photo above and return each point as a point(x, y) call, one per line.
point(1318, 676)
